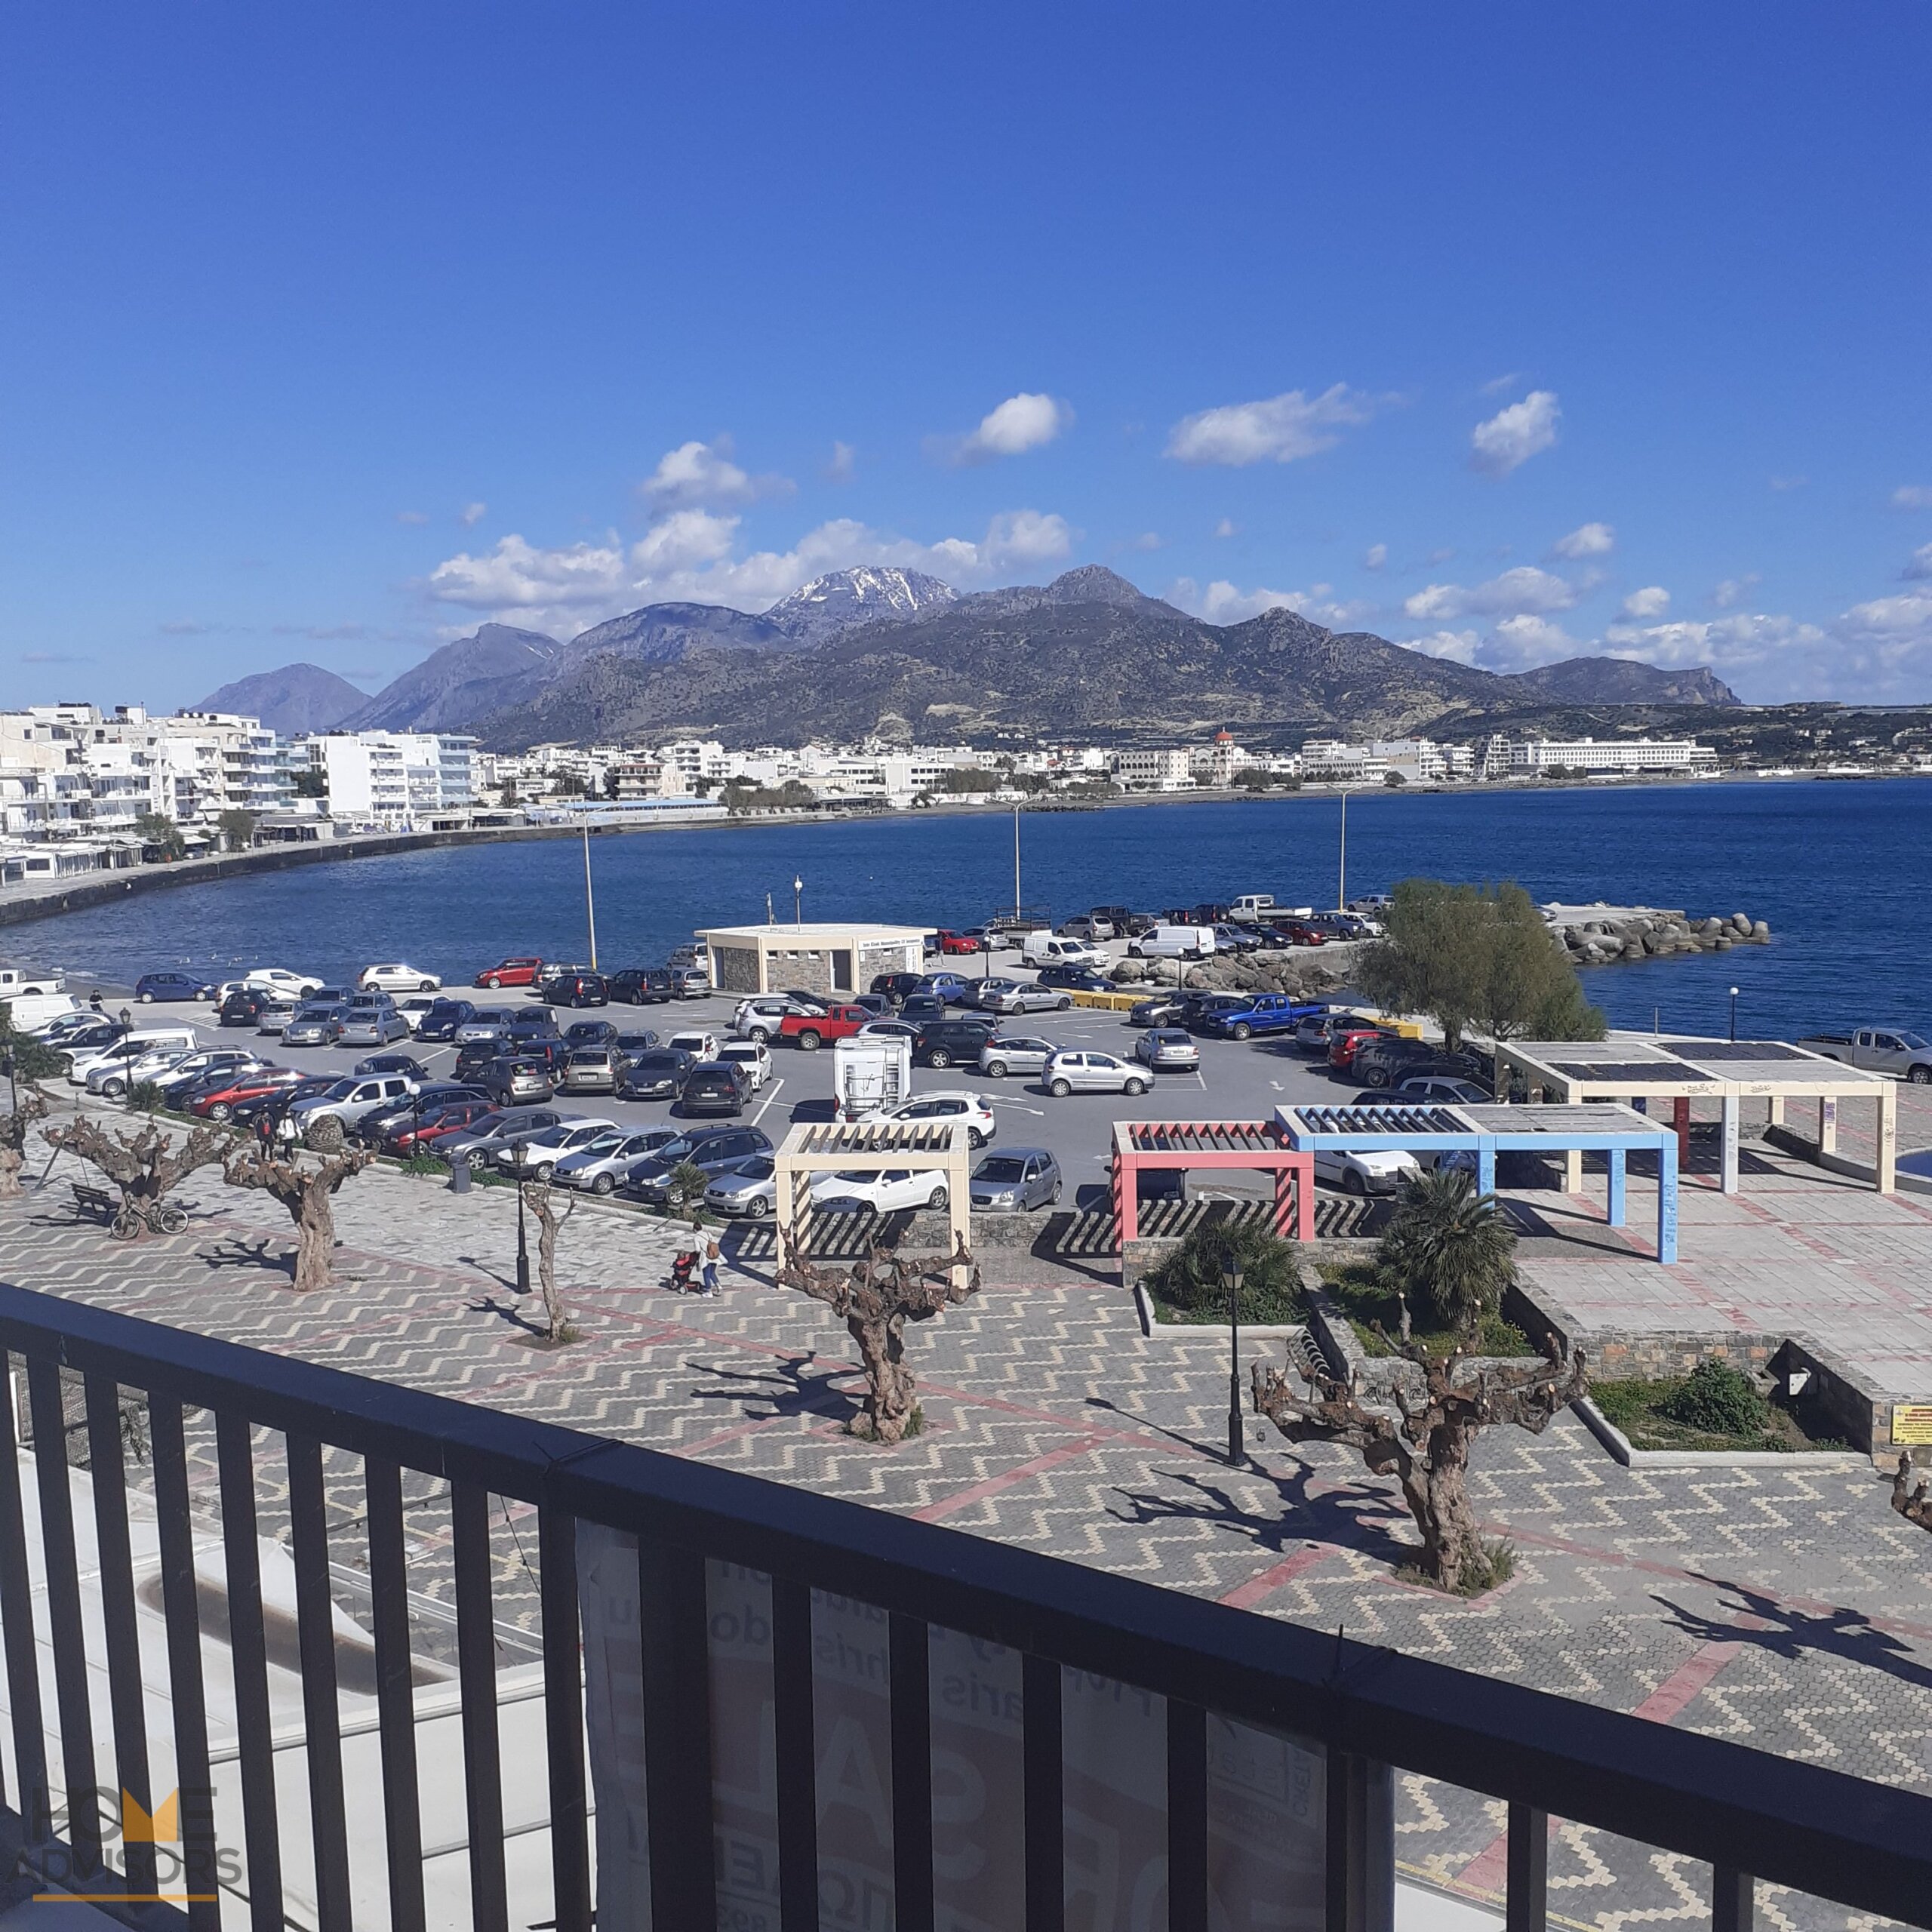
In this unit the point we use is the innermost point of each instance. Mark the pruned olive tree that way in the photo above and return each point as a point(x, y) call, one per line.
point(307, 1188)
point(15, 1127)
point(1423, 1438)
point(541, 1198)
point(145, 1165)
point(877, 1297)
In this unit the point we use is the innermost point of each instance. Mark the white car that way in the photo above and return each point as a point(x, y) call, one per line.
point(296, 986)
point(541, 1153)
point(886, 1193)
point(114, 1078)
point(1070, 1072)
point(81, 1061)
point(397, 977)
point(701, 1043)
point(754, 1055)
point(603, 1161)
point(412, 1007)
point(946, 1106)
point(1375, 1173)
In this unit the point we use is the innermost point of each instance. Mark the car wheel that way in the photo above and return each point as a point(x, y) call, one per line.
point(761, 1036)
point(542, 1172)
point(1064, 1005)
point(937, 1199)
point(1053, 1200)
point(603, 1184)
point(427, 986)
point(995, 1069)
point(147, 999)
point(1241, 1030)
point(940, 1057)
point(1375, 1077)
point(1059, 1089)
point(808, 1043)
point(204, 994)
point(1134, 1089)
point(494, 983)
point(114, 1089)
point(757, 1207)
point(975, 1139)
point(1921, 1076)
point(1353, 1183)
point(220, 1111)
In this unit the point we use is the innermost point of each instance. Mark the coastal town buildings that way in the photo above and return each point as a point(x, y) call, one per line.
point(1534, 758)
point(398, 781)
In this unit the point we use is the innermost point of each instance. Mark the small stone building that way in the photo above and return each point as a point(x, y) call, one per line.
point(814, 958)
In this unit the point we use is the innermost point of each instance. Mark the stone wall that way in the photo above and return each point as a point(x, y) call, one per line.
point(736, 968)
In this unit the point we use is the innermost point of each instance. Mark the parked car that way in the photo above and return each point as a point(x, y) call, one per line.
point(946, 1106)
point(518, 971)
point(597, 1166)
point(1021, 996)
point(1002, 1053)
point(120, 1052)
point(392, 1063)
point(151, 987)
point(274, 1103)
point(1172, 939)
point(589, 1033)
point(396, 976)
point(371, 1025)
point(517, 1080)
point(895, 1191)
point(1370, 1173)
point(1440, 1090)
point(489, 1023)
point(699, 1041)
point(808, 1032)
point(475, 1057)
point(444, 1017)
point(489, 1133)
point(1082, 1071)
point(1162, 1009)
point(947, 941)
point(536, 1158)
point(425, 1098)
point(1894, 1050)
point(313, 1027)
point(713, 1150)
point(1015, 1182)
point(945, 1042)
point(748, 1187)
point(280, 980)
point(690, 982)
point(1265, 1014)
point(577, 989)
point(1345, 1042)
point(244, 1006)
point(190, 1065)
point(658, 1075)
point(1313, 1035)
point(954, 987)
point(420, 1133)
point(715, 1086)
point(79, 1030)
point(1382, 1063)
point(348, 1100)
point(1235, 939)
point(753, 1055)
point(1297, 933)
point(1168, 1050)
point(918, 1008)
point(895, 986)
point(415, 1008)
point(630, 1045)
point(888, 1030)
point(590, 1070)
point(218, 1103)
point(272, 1016)
point(1093, 928)
point(1076, 980)
point(642, 986)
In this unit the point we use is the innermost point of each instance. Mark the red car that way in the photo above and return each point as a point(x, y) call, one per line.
point(956, 943)
point(1344, 1045)
point(219, 1104)
point(510, 973)
point(1296, 933)
point(452, 1117)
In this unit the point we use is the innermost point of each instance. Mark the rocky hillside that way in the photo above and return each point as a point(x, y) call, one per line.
point(846, 598)
point(1618, 681)
point(297, 698)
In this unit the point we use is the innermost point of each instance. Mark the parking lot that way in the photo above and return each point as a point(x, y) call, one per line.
point(1245, 1080)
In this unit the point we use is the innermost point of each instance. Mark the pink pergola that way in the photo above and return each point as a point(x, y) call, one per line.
point(1257, 1145)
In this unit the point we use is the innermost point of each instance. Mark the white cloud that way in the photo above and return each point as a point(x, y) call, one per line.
point(1589, 539)
point(1521, 643)
point(697, 472)
point(1435, 557)
point(691, 556)
point(471, 515)
point(1733, 590)
point(1784, 483)
point(1919, 567)
point(412, 516)
point(1148, 539)
point(1653, 601)
point(1497, 384)
point(1375, 556)
point(1461, 646)
point(1224, 603)
point(1022, 422)
point(843, 460)
point(1912, 497)
point(1523, 590)
point(1227, 527)
point(1279, 429)
point(1512, 436)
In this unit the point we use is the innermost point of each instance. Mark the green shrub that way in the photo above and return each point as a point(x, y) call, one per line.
point(1193, 1276)
point(1719, 1401)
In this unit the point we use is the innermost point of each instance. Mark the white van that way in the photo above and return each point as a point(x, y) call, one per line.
point(1051, 949)
point(1174, 942)
point(130, 1048)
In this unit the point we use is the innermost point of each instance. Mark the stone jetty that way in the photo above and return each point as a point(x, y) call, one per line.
point(1598, 935)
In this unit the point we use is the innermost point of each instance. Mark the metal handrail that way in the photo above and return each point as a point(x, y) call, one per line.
point(1820, 1831)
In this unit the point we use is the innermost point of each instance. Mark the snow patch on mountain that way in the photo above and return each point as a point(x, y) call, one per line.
point(844, 599)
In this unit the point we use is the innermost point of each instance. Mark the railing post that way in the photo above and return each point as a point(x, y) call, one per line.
point(912, 1776)
point(674, 1614)
point(563, 1717)
point(395, 1696)
point(1361, 1845)
point(1044, 1794)
point(1734, 1900)
point(1527, 1908)
point(1187, 1817)
point(476, 1665)
point(322, 1708)
point(795, 1746)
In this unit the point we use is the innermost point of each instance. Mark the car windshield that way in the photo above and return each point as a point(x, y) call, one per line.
point(605, 1143)
point(660, 1063)
point(758, 1169)
point(672, 1152)
point(1914, 1042)
point(1001, 1167)
point(341, 1090)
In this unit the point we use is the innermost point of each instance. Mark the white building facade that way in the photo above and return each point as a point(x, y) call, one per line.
point(1534, 758)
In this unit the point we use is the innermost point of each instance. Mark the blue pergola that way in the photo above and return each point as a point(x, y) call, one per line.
point(1486, 1131)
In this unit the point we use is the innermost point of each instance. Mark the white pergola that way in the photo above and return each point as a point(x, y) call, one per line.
point(1635, 1068)
point(872, 1147)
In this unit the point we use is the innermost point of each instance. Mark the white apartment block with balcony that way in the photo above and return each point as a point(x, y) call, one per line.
point(1157, 770)
point(1534, 758)
point(399, 781)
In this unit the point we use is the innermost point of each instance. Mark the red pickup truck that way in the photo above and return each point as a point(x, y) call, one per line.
point(810, 1031)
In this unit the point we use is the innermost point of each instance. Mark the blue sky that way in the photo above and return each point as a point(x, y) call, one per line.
point(1510, 332)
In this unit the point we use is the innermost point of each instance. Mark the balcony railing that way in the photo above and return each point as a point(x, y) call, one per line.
point(682, 1744)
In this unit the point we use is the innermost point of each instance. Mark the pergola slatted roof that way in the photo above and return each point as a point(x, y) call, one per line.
point(1213, 1137)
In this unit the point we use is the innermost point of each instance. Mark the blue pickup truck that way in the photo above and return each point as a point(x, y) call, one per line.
point(1265, 1013)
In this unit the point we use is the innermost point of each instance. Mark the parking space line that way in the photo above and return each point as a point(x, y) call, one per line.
point(758, 1117)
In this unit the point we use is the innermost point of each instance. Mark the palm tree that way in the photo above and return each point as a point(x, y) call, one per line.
point(1450, 1244)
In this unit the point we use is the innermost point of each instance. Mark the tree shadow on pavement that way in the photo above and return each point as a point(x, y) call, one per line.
point(1788, 1632)
point(514, 1317)
point(799, 1387)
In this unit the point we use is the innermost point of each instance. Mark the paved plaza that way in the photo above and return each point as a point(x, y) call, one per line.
point(1790, 1610)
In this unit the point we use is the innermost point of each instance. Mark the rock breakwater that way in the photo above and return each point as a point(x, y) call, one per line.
point(1601, 935)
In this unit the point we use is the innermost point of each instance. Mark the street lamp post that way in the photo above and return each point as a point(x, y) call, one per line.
point(1235, 1446)
point(522, 1245)
point(1734, 1013)
point(590, 903)
point(797, 901)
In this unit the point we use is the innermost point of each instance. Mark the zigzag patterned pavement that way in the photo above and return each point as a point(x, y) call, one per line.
point(1791, 1610)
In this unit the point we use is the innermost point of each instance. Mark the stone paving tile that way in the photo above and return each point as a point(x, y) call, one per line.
point(1055, 1425)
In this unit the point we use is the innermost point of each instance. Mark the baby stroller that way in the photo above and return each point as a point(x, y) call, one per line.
point(683, 1265)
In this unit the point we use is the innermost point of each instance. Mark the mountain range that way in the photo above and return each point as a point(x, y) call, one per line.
point(896, 654)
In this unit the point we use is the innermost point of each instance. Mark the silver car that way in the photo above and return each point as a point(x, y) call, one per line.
point(536, 1157)
point(749, 1187)
point(371, 1026)
point(1168, 1050)
point(273, 1019)
point(1083, 1072)
point(1012, 1053)
point(598, 1167)
point(348, 1100)
point(1024, 996)
point(488, 1134)
point(313, 1026)
point(1013, 1182)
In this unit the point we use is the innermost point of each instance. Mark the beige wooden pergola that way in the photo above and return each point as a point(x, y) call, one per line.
point(872, 1147)
point(1638, 1069)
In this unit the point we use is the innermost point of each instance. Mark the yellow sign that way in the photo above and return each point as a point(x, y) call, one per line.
point(1911, 1425)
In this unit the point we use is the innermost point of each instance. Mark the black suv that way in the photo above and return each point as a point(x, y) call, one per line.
point(712, 1149)
point(589, 1033)
point(442, 1020)
point(950, 1042)
point(575, 989)
point(474, 1058)
point(642, 986)
point(1382, 1063)
point(896, 985)
point(1076, 980)
point(242, 1007)
point(657, 1075)
point(715, 1086)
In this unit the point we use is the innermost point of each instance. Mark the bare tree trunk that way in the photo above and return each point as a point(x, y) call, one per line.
point(540, 1199)
point(315, 1236)
point(309, 1194)
point(145, 1165)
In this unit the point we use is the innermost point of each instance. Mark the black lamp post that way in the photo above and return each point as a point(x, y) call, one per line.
point(522, 1244)
point(1235, 1451)
point(797, 901)
point(1734, 1013)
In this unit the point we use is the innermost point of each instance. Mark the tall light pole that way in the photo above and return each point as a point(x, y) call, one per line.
point(1234, 1445)
point(797, 901)
point(1015, 863)
point(590, 903)
point(1342, 867)
point(522, 1245)
point(1734, 1013)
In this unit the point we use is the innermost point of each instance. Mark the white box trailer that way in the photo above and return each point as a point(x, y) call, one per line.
point(869, 1074)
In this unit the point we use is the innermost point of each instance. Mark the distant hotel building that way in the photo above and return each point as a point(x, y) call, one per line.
point(1533, 758)
point(398, 781)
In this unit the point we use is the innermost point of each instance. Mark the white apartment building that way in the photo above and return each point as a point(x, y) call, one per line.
point(1531, 757)
point(1153, 770)
point(1336, 761)
point(398, 780)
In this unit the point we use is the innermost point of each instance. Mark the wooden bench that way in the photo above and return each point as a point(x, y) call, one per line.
point(124, 1220)
point(95, 1201)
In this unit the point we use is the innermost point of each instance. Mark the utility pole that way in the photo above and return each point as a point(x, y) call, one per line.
point(1342, 868)
point(590, 903)
point(1016, 865)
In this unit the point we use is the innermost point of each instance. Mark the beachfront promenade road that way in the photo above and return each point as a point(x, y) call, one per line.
point(1787, 1608)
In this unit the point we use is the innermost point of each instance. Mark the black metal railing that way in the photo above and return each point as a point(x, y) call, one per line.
point(1742, 1813)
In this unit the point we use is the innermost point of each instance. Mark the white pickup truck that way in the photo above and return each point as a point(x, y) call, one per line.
point(16, 981)
point(1891, 1050)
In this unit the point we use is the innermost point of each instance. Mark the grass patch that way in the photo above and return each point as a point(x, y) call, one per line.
point(1666, 1414)
point(1498, 1566)
point(1365, 1300)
